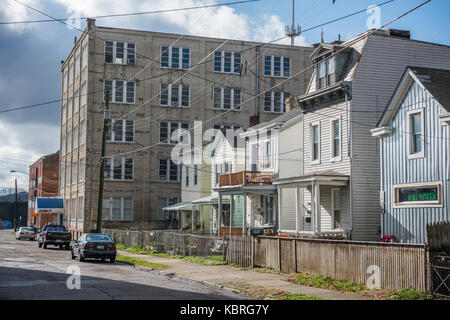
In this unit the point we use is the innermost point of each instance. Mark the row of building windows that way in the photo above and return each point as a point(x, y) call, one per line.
point(78, 65)
point(72, 105)
point(74, 138)
point(117, 208)
point(118, 168)
point(73, 173)
point(180, 58)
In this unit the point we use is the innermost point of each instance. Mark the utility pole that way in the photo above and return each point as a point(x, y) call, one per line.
point(106, 117)
point(291, 31)
point(15, 206)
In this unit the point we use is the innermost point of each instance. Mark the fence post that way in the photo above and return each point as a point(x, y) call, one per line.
point(295, 254)
point(190, 245)
point(252, 239)
point(279, 254)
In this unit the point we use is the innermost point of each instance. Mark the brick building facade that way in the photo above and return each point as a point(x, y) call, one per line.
point(44, 178)
point(140, 69)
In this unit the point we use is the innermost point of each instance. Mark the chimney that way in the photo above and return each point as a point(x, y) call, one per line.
point(398, 33)
point(290, 103)
point(254, 120)
point(90, 23)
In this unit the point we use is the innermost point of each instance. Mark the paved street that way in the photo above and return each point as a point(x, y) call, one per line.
point(29, 272)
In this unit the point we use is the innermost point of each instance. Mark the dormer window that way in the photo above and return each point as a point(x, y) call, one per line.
point(326, 74)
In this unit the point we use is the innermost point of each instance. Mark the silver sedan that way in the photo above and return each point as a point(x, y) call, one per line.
point(25, 233)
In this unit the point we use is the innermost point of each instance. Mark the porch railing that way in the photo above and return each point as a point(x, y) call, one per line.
point(245, 178)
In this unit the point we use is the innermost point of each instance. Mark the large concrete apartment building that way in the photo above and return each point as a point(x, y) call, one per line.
point(158, 82)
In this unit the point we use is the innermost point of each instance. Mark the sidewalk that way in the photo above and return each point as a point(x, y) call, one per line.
point(224, 274)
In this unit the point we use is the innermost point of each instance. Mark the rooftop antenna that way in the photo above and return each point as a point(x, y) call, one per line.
point(292, 31)
point(321, 35)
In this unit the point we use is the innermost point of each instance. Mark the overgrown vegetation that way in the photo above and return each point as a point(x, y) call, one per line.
point(208, 260)
point(407, 294)
point(328, 283)
point(142, 263)
point(266, 293)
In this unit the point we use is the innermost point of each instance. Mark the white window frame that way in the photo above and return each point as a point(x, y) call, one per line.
point(112, 94)
point(272, 67)
point(169, 131)
point(417, 204)
point(83, 95)
point(179, 172)
point(311, 136)
point(122, 208)
point(125, 52)
point(332, 138)
point(333, 203)
point(124, 131)
point(232, 107)
point(272, 103)
point(122, 169)
point(222, 62)
point(170, 58)
point(84, 55)
point(169, 95)
point(82, 170)
point(410, 113)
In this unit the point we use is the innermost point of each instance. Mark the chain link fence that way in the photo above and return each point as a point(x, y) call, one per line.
point(170, 242)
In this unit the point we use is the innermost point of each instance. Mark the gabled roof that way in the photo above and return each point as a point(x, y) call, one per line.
point(294, 112)
point(436, 81)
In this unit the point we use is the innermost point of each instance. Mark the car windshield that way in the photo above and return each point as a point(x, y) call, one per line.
point(98, 237)
point(26, 229)
point(55, 228)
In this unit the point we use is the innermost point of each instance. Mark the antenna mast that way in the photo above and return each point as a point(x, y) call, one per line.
point(292, 31)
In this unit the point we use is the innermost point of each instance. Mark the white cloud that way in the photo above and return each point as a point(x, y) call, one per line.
point(270, 28)
point(13, 11)
point(21, 145)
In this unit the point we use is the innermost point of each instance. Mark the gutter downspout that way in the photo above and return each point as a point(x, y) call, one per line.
point(257, 80)
point(349, 152)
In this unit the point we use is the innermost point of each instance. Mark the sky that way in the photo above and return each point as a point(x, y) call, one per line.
point(31, 54)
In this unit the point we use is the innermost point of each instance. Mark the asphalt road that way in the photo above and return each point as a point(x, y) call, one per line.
point(29, 272)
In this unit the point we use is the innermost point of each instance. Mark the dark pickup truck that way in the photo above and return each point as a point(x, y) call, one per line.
point(56, 235)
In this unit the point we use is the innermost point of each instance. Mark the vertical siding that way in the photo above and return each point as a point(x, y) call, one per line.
point(409, 224)
point(290, 151)
point(382, 64)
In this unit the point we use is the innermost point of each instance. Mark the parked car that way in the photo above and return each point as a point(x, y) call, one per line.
point(25, 233)
point(94, 245)
point(54, 234)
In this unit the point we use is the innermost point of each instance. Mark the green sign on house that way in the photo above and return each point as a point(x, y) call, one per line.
point(418, 194)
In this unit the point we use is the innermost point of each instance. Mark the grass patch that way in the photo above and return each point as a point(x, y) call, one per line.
point(266, 293)
point(328, 283)
point(209, 260)
point(407, 294)
point(142, 263)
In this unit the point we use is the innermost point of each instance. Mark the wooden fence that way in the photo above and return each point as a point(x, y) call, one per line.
point(438, 235)
point(239, 251)
point(400, 265)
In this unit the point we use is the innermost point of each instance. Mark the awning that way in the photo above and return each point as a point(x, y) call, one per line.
point(49, 205)
point(211, 199)
point(179, 206)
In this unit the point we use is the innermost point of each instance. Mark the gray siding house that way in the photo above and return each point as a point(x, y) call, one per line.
point(414, 136)
point(337, 190)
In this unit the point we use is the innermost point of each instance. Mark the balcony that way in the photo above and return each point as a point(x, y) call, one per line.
point(245, 178)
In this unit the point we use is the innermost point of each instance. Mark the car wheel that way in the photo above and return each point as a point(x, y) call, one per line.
point(44, 245)
point(39, 244)
point(103, 259)
point(67, 247)
point(80, 257)
point(60, 246)
point(112, 259)
point(71, 252)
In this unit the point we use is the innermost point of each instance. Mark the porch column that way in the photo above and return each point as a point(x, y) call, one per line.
point(231, 211)
point(297, 197)
point(219, 214)
point(313, 207)
point(192, 218)
point(279, 203)
point(244, 219)
point(317, 206)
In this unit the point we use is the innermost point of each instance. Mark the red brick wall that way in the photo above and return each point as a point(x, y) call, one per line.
point(46, 173)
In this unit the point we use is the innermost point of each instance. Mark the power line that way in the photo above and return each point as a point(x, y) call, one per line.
point(203, 62)
point(349, 43)
point(129, 14)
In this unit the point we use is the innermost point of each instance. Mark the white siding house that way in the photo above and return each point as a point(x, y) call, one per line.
point(414, 137)
point(352, 81)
